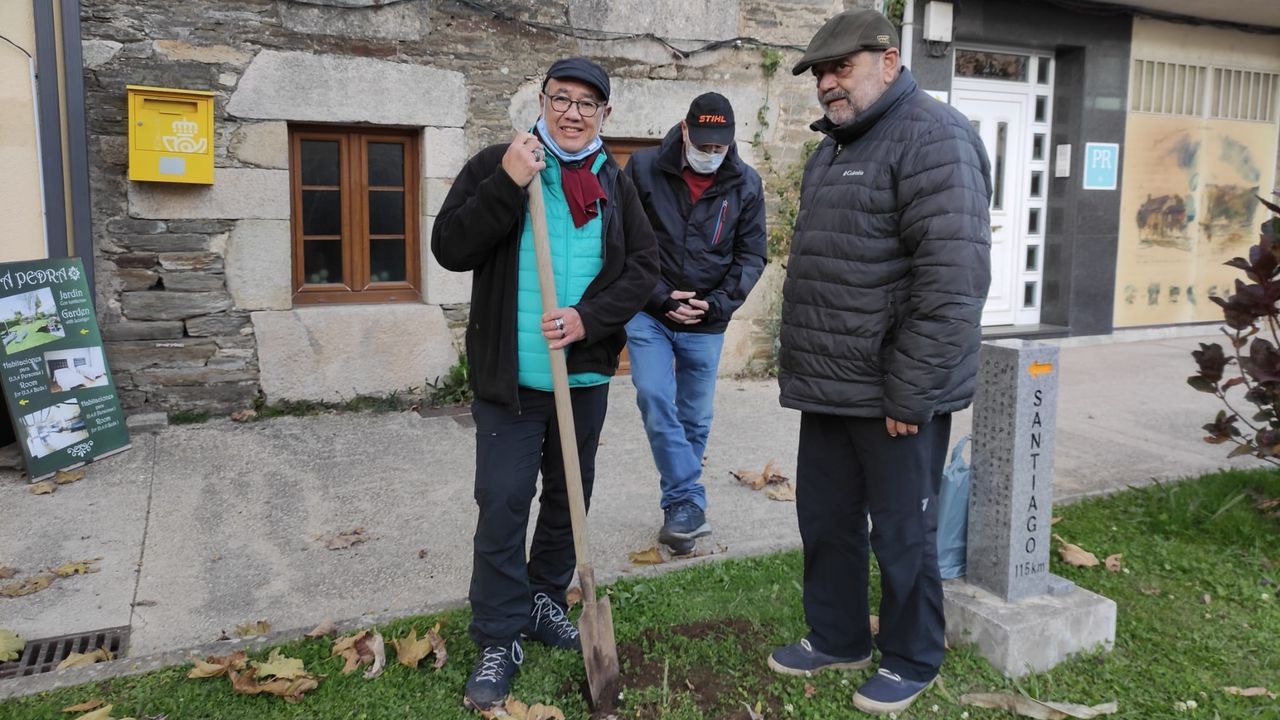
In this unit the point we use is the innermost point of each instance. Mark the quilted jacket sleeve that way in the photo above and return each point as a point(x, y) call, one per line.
point(944, 191)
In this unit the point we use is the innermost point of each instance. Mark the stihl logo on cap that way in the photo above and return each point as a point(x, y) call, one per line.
point(715, 119)
point(882, 39)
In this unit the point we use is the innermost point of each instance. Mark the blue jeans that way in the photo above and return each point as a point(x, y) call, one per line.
point(675, 378)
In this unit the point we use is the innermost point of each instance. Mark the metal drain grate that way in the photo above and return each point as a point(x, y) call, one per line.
point(41, 656)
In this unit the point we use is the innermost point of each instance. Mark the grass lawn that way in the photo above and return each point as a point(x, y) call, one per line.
point(33, 338)
point(693, 642)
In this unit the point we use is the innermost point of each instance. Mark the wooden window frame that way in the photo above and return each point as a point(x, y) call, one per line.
point(354, 188)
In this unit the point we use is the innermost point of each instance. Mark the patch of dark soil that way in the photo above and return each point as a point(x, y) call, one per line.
point(717, 694)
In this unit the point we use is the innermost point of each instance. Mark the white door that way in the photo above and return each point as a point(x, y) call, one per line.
point(1001, 120)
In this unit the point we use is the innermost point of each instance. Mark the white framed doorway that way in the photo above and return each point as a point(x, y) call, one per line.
point(1007, 94)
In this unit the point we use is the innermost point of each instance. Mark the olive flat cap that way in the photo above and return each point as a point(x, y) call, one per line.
point(846, 34)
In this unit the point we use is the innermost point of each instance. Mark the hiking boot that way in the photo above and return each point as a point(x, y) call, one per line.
point(549, 626)
point(490, 682)
point(682, 524)
point(800, 658)
point(887, 692)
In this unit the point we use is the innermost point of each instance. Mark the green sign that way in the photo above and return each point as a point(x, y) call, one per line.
point(53, 372)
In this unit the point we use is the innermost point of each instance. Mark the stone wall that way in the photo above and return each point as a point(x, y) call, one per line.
point(194, 284)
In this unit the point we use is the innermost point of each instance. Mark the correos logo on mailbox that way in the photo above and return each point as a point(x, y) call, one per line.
point(170, 135)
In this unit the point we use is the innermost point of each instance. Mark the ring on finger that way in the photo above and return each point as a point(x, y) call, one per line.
point(560, 324)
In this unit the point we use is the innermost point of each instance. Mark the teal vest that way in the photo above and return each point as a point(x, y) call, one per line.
point(577, 254)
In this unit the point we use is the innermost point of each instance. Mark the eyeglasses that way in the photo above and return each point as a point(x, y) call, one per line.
point(586, 108)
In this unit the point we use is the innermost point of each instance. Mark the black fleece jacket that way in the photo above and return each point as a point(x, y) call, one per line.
point(478, 229)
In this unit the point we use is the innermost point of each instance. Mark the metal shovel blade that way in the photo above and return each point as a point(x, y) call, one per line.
point(600, 652)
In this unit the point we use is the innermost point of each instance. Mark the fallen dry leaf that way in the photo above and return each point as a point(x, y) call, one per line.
point(244, 415)
point(809, 691)
point(544, 712)
point(1265, 504)
point(1055, 520)
point(344, 540)
point(379, 651)
point(349, 649)
point(251, 629)
point(76, 660)
point(782, 492)
point(7, 572)
point(43, 488)
point(11, 645)
point(1075, 555)
point(75, 568)
point(753, 713)
point(102, 713)
point(573, 597)
point(651, 556)
point(1112, 562)
point(26, 587)
point(410, 649)
point(875, 624)
point(66, 477)
point(326, 627)
point(1249, 692)
point(280, 666)
point(216, 665)
point(1206, 599)
point(750, 478)
point(437, 647)
point(291, 690)
point(1042, 710)
point(85, 706)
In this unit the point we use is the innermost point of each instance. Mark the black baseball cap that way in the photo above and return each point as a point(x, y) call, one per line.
point(846, 34)
point(582, 70)
point(710, 120)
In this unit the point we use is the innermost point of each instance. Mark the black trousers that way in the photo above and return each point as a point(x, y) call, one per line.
point(511, 450)
point(847, 467)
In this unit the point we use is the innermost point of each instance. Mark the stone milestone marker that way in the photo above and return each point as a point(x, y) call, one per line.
point(1010, 509)
point(1021, 618)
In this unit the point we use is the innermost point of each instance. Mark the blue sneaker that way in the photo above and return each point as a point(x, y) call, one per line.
point(887, 692)
point(490, 682)
point(800, 658)
point(549, 626)
point(683, 523)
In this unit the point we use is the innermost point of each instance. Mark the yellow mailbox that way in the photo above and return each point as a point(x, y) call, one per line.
point(170, 135)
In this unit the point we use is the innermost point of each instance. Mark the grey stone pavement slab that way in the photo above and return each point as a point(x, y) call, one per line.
point(208, 526)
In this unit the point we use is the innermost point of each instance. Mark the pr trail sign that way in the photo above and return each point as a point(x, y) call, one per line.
point(53, 372)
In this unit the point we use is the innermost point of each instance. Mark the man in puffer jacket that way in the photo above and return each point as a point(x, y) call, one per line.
point(707, 210)
point(605, 263)
point(881, 311)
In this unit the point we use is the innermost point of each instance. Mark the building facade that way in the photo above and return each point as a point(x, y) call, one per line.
point(1125, 143)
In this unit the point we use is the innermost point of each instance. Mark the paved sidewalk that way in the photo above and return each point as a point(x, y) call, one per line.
point(203, 527)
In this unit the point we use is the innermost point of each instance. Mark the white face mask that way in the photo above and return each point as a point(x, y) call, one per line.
point(704, 163)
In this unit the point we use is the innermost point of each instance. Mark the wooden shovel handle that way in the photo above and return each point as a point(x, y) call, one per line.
point(560, 386)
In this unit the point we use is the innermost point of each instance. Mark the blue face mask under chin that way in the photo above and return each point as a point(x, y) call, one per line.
point(595, 144)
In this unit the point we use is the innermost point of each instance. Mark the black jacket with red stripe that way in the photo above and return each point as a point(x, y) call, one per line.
point(715, 247)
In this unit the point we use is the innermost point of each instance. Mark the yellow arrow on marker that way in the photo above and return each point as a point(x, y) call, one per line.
point(23, 402)
point(1040, 368)
point(85, 331)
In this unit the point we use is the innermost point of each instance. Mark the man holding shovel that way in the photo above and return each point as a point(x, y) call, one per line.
point(604, 262)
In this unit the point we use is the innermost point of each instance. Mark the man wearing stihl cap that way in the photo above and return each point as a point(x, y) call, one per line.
point(707, 210)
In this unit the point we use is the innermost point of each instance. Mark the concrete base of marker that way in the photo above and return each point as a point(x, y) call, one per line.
point(1031, 635)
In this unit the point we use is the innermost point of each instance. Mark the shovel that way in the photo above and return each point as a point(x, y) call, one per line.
point(599, 649)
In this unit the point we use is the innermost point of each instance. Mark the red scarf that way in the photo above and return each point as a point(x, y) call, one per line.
point(582, 189)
